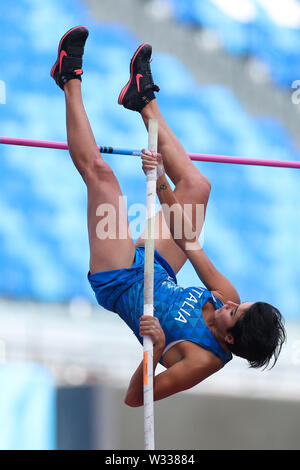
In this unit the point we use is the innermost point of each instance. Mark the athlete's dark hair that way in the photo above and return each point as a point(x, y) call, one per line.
point(258, 335)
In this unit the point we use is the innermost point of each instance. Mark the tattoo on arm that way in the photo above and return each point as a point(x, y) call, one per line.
point(162, 187)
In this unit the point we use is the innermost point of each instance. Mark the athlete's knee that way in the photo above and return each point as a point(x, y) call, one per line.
point(98, 171)
point(203, 182)
point(207, 186)
point(197, 185)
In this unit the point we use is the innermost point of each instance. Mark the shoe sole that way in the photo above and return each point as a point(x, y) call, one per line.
point(59, 47)
point(125, 88)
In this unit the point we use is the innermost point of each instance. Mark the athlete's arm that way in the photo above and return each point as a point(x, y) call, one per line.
point(183, 375)
point(149, 326)
point(214, 281)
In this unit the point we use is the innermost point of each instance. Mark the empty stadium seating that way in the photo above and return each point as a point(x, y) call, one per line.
point(247, 28)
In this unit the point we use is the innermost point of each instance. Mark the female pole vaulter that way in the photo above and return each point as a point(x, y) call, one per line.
point(195, 330)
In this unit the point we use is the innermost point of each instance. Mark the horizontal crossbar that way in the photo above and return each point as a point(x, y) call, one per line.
point(193, 156)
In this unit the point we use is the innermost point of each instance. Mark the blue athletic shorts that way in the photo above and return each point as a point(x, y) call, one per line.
point(110, 285)
point(122, 290)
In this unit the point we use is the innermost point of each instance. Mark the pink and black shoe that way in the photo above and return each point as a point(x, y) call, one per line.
point(68, 65)
point(140, 88)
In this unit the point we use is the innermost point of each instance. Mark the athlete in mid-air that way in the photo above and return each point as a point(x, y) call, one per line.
point(195, 330)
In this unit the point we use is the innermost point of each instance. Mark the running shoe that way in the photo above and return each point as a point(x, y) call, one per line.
point(140, 88)
point(69, 60)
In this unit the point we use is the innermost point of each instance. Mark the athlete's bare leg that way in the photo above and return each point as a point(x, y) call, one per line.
point(102, 188)
point(191, 186)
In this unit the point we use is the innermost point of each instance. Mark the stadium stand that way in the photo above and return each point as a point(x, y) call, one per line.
point(269, 31)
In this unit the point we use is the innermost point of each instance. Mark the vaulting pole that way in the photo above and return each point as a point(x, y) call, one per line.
point(148, 291)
